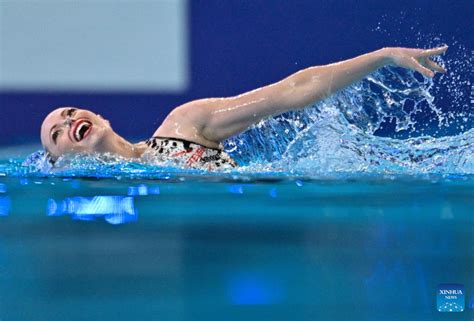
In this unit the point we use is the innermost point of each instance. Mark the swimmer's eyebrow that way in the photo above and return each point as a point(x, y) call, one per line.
point(63, 113)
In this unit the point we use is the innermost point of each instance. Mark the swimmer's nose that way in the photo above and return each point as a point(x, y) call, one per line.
point(68, 121)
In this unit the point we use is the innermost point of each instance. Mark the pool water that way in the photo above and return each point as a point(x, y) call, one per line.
point(234, 248)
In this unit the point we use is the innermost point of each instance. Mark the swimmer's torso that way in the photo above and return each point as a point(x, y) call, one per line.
point(186, 154)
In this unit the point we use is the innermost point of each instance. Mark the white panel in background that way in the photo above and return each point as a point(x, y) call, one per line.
point(93, 45)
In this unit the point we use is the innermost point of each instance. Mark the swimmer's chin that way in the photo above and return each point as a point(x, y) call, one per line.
point(102, 141)
point(105, 122)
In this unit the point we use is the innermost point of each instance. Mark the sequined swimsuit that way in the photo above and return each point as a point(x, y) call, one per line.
point(186, 154)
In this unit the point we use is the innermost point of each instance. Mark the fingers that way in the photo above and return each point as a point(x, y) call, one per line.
point(434, 51)
point(415, 65)
point(434, 66)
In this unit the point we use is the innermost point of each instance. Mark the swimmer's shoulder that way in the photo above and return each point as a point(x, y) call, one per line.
point(186, 122)
point(188, 133)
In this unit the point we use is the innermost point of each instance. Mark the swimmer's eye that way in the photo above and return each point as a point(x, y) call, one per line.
point(55, 136)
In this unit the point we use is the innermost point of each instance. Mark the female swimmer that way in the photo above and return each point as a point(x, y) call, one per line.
point(192, 133)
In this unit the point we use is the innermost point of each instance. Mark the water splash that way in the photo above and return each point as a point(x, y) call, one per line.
point(342, 134)
point(454, 90)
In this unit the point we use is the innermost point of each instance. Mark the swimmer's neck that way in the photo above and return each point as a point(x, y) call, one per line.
point(116, 144)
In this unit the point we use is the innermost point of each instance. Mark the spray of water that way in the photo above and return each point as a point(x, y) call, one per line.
point(345, 132)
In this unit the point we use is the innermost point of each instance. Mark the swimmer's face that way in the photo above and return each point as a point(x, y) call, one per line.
point(70, 130)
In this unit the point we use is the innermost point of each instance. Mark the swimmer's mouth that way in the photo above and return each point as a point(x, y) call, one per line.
point(81, 129)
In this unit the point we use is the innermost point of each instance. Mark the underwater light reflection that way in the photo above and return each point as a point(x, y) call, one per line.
point(250, 288)
point(5, 205)
point(236, 189)
point(143, 190)
point(114, 209)
point(273, 192)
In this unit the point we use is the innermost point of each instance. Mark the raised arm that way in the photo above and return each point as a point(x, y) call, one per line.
point(210, 121)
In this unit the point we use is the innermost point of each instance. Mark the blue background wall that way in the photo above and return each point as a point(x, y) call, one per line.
point(235, 46)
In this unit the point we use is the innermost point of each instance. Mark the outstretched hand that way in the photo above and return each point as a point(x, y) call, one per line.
point(417, 59)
